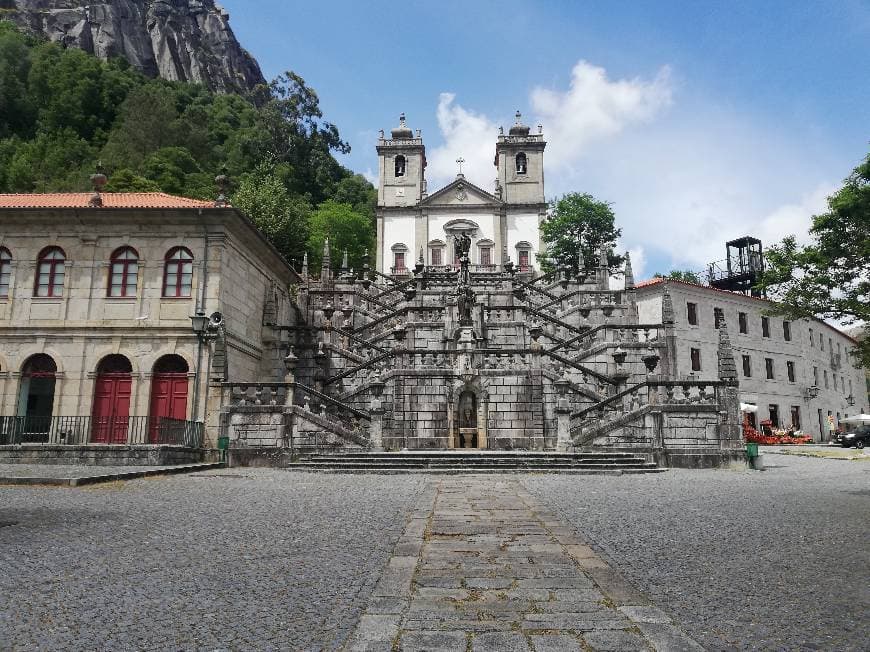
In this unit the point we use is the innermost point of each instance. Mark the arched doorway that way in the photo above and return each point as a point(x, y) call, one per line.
point(110, 416)
point(36, 398)
point(168, 393)
point(467, 420)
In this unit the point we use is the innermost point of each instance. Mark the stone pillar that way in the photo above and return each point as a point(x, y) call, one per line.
point(376, 430)
point(563, 426)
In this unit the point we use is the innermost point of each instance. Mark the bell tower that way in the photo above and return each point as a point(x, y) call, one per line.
point(401, 166)
point(519, 157)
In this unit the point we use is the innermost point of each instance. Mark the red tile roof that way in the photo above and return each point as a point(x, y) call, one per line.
point(110, 200)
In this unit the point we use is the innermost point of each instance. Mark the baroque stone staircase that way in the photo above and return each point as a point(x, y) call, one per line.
point(455, 462)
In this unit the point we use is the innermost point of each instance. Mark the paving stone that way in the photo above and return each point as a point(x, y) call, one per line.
point(488, 583)
point(645, 614)
point(668, 637)
point(617, 641)
point(432, 641)
point(556, 643)
point(499, 642)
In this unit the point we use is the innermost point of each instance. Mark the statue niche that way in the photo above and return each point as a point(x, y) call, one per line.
point(467, 419)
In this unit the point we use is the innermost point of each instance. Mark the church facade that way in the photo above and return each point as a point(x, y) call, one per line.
point(454, 339)
point(503, 225)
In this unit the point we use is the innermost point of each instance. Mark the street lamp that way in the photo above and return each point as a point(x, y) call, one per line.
point(199, 322)
point(206, 329)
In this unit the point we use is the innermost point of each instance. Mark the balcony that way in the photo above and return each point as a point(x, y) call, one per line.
point(79, 431)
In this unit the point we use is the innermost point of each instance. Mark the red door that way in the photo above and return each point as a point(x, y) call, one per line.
point(111, 412)
point(168, 400)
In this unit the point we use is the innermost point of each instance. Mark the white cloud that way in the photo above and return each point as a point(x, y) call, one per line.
point(468, 135)
point(594, 107)
point(684, 173)
point(371, 176)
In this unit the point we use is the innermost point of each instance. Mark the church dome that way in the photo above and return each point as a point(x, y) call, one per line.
point(519, 129)
point(402, 131)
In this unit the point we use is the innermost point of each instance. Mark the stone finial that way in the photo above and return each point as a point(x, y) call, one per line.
point(305, 265)
point(540, 128)
point(667, 307)
point(603, 256)
point(327, 259)
point(519, 117)
point(629, 273)
point(725, 355)
point(581, 262)
point(402, 119)
point(418, 133)
point(223, 183)
point(344, 262)
point(381, 134)
point(98, 181)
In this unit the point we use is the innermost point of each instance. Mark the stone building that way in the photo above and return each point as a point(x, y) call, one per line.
point(96, 298)
point(454, 340)
point(797, 373)
point(502, 225)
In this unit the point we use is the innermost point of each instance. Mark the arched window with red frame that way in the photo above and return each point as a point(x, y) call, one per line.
point(50, 272)
point(178, 273)
point(5, 272)
point(123, 273)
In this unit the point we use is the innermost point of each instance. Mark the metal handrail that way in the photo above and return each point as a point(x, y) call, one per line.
point(118, 430)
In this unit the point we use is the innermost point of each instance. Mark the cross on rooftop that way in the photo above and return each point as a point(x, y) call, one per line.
point(460, 161)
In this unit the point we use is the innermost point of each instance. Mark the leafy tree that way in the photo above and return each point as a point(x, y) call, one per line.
point(16, 110)
point(359, 193)
point(830, 277)
point(346, 229)
point(125, 180)
point(169, 167)
point(577, 222)
point(282, 217)
point(147, 123)
point(59, 161)
point(681, 275)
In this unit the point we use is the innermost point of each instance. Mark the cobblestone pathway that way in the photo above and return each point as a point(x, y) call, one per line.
point(483, 566)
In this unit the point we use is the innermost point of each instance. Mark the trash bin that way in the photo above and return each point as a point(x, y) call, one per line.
point(751, 450)
point(223, 445)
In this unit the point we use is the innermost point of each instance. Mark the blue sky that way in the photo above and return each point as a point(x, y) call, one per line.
point(699, 121)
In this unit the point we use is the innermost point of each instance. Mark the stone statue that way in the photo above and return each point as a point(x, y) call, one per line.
point(467, 412)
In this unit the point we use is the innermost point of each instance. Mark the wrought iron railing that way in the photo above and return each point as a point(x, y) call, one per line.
point(76, 431)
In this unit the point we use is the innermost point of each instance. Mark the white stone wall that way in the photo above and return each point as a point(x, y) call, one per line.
point(399, 228)
point(523, 227)
point(757, 388)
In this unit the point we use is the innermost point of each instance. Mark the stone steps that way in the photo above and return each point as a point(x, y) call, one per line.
point(476, 462)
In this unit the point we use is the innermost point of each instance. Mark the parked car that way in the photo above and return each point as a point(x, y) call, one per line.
point(857, 436)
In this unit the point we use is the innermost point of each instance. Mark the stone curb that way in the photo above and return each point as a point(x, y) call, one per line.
point(110, 477)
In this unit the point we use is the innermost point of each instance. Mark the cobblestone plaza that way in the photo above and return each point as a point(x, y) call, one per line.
point(252, 559)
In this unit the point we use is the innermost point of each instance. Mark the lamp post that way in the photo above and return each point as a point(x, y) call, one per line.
point(206, 330)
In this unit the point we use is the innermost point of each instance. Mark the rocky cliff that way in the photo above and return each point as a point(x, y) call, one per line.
point(184, 40)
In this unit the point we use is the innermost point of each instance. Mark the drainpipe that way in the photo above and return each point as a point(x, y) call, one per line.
point(200, 305)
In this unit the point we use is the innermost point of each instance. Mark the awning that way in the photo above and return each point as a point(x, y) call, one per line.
point(858, 418)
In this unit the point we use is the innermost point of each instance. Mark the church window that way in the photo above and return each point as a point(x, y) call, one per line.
point(524, 260)
point(522, 164)
point(50, 272)
point(178, 273)
point(695, 355)
point(486, 256)
point(123, 272)
point(436, 256)
point(400, 166)
point(399, 261)
point(5, 272)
